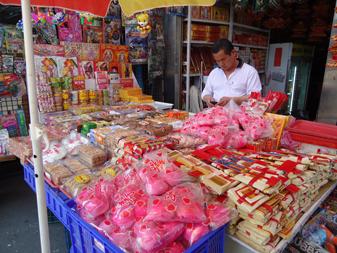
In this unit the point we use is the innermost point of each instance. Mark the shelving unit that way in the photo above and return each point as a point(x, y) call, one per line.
point(233, 26)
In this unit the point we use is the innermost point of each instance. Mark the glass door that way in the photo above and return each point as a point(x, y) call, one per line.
point(292, 85)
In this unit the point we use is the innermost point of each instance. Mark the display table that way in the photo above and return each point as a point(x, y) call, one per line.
point(233, 244)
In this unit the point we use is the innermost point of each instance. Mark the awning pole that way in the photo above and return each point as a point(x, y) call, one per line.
point(34, 123)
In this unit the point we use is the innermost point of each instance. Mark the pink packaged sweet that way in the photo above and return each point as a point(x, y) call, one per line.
point(236, 140)
point(106, 227)
point(152, 236)
point(122, 239)
point(194, 232)
point(88, 218)
point(219, 133)
point(219, 214)
point(173, 247)
point(70, 30)
point(182, 203)
point(203, 132)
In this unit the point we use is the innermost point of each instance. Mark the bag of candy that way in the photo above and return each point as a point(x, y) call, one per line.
point(219, 133)
point(219, 214)
point(194, 232)
point(184, 203)
point(153, 236)
point(236, 140)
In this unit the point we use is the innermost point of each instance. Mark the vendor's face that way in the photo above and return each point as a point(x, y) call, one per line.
point(225, 61)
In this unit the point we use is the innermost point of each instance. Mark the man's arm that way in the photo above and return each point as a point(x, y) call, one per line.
point(207, 93)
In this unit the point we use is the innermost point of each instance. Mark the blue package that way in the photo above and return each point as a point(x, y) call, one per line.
point(20, 115)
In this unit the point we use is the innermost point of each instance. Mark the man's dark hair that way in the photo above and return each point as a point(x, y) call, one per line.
point(224, 44)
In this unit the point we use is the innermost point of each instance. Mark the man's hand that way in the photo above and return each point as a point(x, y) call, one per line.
point(208, 99)
point(223, 101)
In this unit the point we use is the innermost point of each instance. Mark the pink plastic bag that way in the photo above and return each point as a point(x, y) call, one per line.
point(219, 133)
point(106, 227)
point(182, 203)
point(194, 232)
point(88, 218)
point(153, 236)
point(185, 140)
point(173, 247)
point(122, 239)
point(236, 140)
point(219, 214)
point(203, 132)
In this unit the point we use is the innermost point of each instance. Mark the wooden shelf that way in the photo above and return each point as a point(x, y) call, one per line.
point(207, 21)
point(250, 27)
point(251, 46)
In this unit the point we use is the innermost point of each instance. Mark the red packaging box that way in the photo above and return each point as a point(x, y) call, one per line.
point(113, 67)
point(107, 52)
point(125, 70)
point(195, 12)
point(127, 82)
point(101, 66)
point(122, 54)
point(205, 12)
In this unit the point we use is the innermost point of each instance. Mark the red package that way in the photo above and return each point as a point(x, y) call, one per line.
point(101, 66)
point(127, 82)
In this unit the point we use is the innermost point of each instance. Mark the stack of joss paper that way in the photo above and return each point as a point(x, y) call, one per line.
point(273, 189)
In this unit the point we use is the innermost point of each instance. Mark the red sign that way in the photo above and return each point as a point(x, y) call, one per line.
point(278, 57)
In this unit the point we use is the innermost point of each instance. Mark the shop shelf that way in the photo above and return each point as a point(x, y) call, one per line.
point(207, 21)
point(55, 199)
point(87, 239)
point(250, 27)
point(250, 46)
point(200, 42)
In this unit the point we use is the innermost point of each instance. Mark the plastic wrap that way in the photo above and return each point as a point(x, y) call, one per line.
point(56, 172)
point(22, 144)
point(91, 155)
point(73, 141)
point(77, 183)
point(194, 232)
point(219, 214)
point(185, 140)
point(75, 166)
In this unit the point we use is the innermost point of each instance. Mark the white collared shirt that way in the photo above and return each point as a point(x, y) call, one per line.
point(241, 82)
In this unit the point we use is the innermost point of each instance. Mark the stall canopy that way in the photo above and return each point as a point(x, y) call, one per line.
point(98, 9)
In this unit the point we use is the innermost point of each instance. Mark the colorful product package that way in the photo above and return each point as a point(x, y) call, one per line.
point(86, 69)
point(19, 67)
point(114, 10)
point(72, 49)
point(126, 82)
point(67, 66)
point(48, 50)
point(14, 41)
point(279, 122)
point(195, 12)
point(92, 34)
point(205, 12)
point(67, 83)
point(16, 85)
point(4, 139)
point(46, 33)
point(10, 123)
point(112, 31)
point(45, 97)
point(70, 30)
point(122, 54)
point(90, 52)
point(4, 92)
point(20, 114)
point(46, 65)
point(78, 83)
point(56, 84)
point(7, 63)
point(113, 67)
point(101, 66)
point(125, 70)
point(108, 52)
point(139, 45)
point(102, 79)
point(179, 11)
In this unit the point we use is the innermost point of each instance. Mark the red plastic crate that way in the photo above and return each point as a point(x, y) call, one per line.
point(314, 133)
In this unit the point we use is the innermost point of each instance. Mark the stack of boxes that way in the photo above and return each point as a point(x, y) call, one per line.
point(251, 39)
point(210, 13)
point(207, 33)
point(134, 95)
point(253, 57)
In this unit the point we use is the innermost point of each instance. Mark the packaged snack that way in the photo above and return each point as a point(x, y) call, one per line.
point(56, 84)
point(67, 84)
point(67, 67)
point(194, 232)
point(185, 140)
point(19, 67)
point(22, 144)
point(112, 30)
point(77, 183)
point(75, 166)
point(49, 50)
point(78, 83)
point(219, 214)
point(102, 79)
point(20, 115)
point(108, 52)
point(70, 30)
point(92, 155)
point(72, 49)
point(55, 172)
point(7, 63)
point(101, 66)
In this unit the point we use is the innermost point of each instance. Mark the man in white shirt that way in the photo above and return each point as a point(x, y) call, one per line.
point(232, 79)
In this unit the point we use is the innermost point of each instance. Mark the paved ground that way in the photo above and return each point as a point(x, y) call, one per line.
point(19, 228)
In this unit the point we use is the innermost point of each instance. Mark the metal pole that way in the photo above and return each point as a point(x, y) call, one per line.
point(188, 58)
point(34, 119)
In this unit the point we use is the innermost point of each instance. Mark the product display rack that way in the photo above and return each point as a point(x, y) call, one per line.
point(240, 247)
point(233, 27)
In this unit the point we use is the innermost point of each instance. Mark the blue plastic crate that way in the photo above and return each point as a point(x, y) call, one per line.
point(55, 198)
point(86, 239)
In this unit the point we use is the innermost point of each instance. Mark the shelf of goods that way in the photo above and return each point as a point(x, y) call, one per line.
point(240, 247)
point(232, 27)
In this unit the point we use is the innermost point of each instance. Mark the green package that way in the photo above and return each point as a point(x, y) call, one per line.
point(68, 83)
point(56, 84)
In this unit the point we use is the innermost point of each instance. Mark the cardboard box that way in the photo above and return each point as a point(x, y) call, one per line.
point(220, 14)
point(127, 82)
point(224, 32)
point(107, 52)
point(122, 54)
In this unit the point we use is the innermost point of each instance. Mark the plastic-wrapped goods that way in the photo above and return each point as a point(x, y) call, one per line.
point(185, 140)
point(182, 203)
point(152, 236)
point(236, 140)
point(91, 155)
point(77, 183)
point(22, 144)
point(54, 153)
point(75, 166)
point(219, 214)
point(219, 133)
point(56, 172)
point(173, 247)
point(194, 232)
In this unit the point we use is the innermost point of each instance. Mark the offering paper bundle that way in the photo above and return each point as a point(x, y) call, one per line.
point(247, 198)
point(263, 213)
